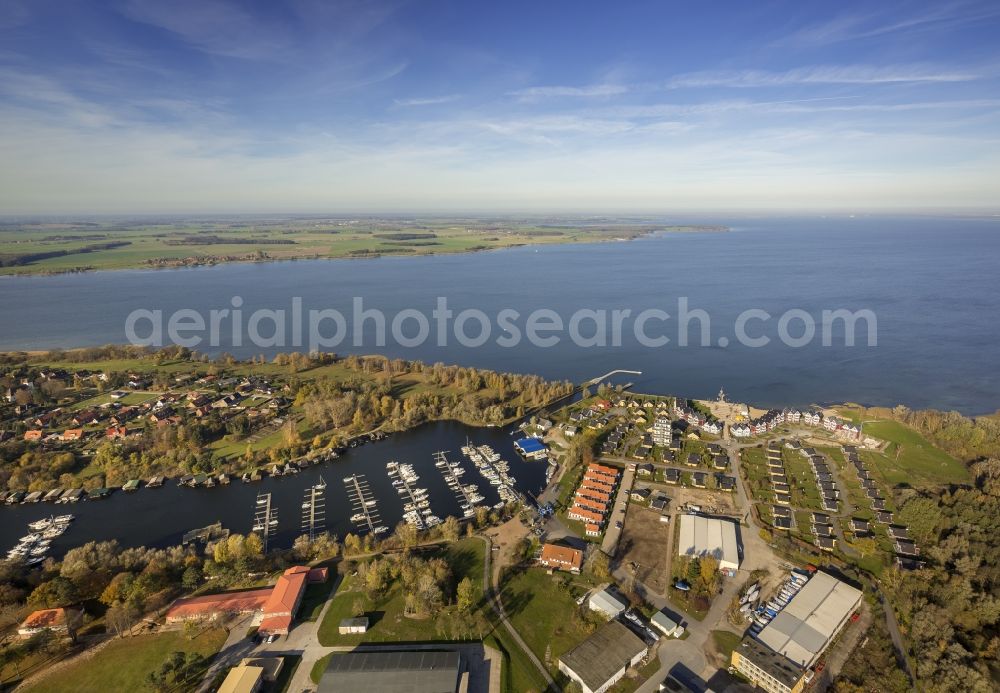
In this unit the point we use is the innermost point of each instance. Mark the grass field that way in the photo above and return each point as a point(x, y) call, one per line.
point(725, 642)
point(124, 664)
point(466, 558)
point(46, 248)
point(542, 608)
point(909, 458)
point(388, 621)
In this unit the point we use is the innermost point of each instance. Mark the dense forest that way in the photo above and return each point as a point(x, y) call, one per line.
point(949, 609)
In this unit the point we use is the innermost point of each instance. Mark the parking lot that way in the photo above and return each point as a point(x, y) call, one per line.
point(615, 521)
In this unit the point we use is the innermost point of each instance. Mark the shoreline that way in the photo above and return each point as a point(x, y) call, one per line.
point(38, 355)
point(220, 261)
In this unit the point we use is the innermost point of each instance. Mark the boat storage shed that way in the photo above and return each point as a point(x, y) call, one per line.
point(814, 616)
point(709, 536)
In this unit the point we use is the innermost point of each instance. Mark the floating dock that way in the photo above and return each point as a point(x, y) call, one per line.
point(416, 505)
point(494, 470)
point(364, 509)
point(468, 496)
point(206, 534)
point(314, 510)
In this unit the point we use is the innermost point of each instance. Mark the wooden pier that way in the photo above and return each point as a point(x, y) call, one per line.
point(265, 519)
point(364, 512)
point(314, 510)
point(463, 496)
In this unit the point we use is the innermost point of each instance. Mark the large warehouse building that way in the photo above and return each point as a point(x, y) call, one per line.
point(708, 536)
point(803, 629)
point(794, 639)
point(601, 660)
point(409, 671)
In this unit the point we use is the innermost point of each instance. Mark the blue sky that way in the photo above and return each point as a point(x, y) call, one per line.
point(313, 106)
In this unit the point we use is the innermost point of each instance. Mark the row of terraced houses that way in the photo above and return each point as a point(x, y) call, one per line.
point(594, 498)
point(775, 417)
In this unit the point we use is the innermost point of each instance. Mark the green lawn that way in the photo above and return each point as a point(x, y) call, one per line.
point(910, 456)
point(124, 664)
point(388, 621)
point(313, 601)
point(543, 609)
point(725, 642)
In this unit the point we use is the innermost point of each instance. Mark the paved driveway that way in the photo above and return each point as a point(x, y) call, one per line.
point(612, 534)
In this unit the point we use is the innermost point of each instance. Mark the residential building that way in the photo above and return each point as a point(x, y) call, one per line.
point(561, 557)
point(61, 621)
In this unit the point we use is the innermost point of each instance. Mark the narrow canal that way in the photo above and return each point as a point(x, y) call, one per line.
point(159, 517)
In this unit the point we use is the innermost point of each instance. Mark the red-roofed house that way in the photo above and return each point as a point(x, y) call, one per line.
point(116, 432)
point(63, 621)
point(561, 557)
point(32, 435)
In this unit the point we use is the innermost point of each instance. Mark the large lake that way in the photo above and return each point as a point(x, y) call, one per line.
point(933, 283)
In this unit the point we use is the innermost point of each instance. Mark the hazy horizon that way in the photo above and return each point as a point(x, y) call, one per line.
point(201, 107)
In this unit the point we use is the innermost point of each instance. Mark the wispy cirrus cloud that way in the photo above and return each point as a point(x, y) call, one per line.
point(821, 74)
point(588, 91)
point(427, 101)
point(855, 26)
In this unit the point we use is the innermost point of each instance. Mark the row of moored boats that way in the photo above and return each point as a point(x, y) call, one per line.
point(495, 470)
point(760, 614)
point(417, 506)
point(33, 547)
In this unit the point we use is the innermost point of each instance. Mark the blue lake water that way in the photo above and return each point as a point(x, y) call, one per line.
point(160, 517)
point(932, 283)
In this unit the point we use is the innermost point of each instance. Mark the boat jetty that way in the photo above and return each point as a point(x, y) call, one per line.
point(212, 533)
point(33, 547)
point(495, 470)
point(467, 494)
point(416, 506)
point(365, 516)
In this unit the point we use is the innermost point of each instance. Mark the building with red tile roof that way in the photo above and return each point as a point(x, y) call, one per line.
point(561, 557)
point(277, 604)
point(213, 606)
point(584, 515)
point(60, 620)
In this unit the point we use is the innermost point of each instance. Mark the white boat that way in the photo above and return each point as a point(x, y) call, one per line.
point(358, 517)
point(40, 524)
